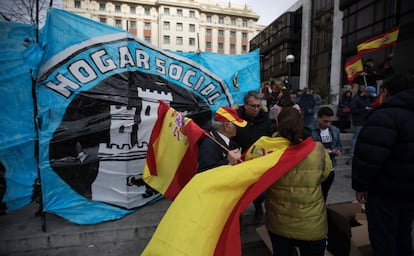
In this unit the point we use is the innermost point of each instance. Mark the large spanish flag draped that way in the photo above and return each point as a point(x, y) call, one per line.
point(384, 40)
point(204, 218)
point(353, 68)
point(172, 153)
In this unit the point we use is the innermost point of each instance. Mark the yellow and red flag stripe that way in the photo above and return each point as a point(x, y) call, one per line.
point(353, 68)
point(204, 218)
point(384, 40)
point(172, 152)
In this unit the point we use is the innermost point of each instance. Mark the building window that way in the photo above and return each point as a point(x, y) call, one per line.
point(208, 18)
point(244, 23)
point(147, 26)
point(191, 28)
point(166, 11)
point(117, 8)
point(232, 47)
point(191, 41)
point(147, 39)
point(192, 14)
point(102, 7)
point(233, 21)
point(179, 27)
point(118, 23)
point(208, 45)
point(244, 36)
point(221, 20)
point(179, 40)
point(103, 20)
point(221, 33)
point(220, 46)
point(77, 4)
point(244, 48)
point(133, 9)
point(179, 13)
point(166, 40)
point(208, 32)
point(132, 24)
point(232, 34)
point(166, 25)
point(147, 11)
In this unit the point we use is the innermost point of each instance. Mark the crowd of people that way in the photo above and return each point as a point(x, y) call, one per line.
point(382, 166)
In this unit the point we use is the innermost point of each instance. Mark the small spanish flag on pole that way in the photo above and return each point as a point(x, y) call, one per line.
point(353, 68)
point(384, 40)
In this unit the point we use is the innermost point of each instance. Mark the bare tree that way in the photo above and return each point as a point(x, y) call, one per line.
point(24, 11)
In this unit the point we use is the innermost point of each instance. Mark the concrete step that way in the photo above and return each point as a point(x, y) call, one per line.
point(21, 233)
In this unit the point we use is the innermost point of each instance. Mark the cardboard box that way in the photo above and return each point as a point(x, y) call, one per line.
point(348, 230)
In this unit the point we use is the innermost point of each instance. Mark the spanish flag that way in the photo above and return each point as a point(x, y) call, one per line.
point(204, 218)
point(353, 68)
point(172, 153)
point(384, 40)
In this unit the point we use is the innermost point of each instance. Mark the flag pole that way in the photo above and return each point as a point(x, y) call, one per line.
point(221, 145)
point(216, 141)
point(213, 139)
point(365, 79)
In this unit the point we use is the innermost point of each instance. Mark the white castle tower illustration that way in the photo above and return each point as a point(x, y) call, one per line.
point(123, 159)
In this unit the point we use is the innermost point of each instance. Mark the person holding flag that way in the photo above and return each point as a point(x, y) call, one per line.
point(218, 148)
point(204, 218)
point(370, 75)
point(353, 67)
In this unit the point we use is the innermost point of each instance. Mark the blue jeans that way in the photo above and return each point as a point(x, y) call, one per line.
point(389, 226)
point(355, 130)
point(283, 246)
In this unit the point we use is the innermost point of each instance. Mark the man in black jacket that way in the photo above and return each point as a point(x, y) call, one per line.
point(258, 125)
point(360, 107)
point(258, 121)
point(383, 169)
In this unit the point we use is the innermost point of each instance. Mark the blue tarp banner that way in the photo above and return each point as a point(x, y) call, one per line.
point(17, 130)
point(97, 92)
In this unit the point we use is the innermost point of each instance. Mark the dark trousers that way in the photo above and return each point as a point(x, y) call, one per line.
point(259, 200)
point(283, 246)
point(389, 226)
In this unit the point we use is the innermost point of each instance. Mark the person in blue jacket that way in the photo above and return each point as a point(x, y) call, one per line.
point(329, 135)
